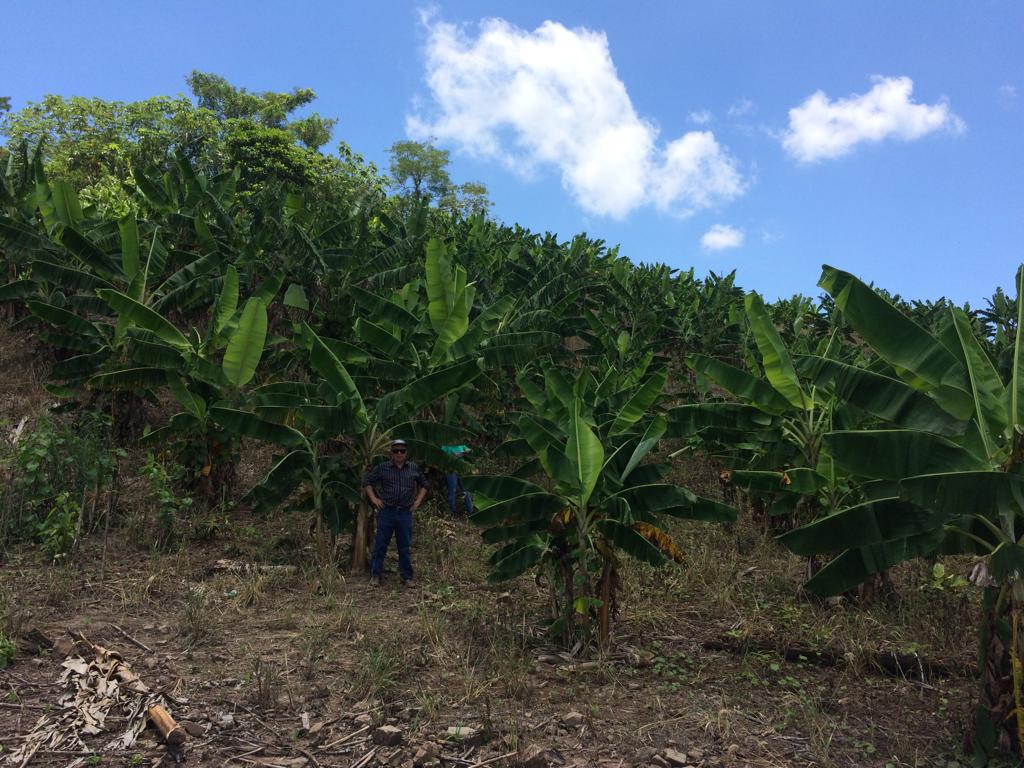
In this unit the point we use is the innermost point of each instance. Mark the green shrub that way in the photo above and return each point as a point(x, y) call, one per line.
point(56, 531)
point(56, 456)
point(8, 650)
point(167, 505)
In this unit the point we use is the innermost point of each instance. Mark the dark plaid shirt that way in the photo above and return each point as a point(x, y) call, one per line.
point(396, 487)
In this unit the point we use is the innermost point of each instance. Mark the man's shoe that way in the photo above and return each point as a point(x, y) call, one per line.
point(409, 583)
point(375, 581)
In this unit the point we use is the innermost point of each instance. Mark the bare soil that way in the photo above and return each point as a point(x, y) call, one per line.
point(302, 669)
point(246, 655)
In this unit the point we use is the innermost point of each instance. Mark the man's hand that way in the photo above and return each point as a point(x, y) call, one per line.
point(378, 504)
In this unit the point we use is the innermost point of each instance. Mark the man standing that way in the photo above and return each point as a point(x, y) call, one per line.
point(396, 488)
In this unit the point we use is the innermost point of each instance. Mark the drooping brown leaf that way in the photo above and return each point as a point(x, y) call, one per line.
point(661, 540)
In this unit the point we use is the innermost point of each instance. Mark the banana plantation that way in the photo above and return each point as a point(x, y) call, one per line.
point(207, 351)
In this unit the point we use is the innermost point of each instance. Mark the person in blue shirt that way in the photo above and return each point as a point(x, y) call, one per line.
point(455, 482)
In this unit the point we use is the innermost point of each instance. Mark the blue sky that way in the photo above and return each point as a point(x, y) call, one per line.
point(686, 132)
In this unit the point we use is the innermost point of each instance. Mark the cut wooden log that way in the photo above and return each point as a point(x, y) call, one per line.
point(173, 733)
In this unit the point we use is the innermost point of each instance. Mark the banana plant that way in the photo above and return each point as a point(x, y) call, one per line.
point(333, 433)
point(773, 438)
point(199, 371)
point(602, 498)
point(933, 491)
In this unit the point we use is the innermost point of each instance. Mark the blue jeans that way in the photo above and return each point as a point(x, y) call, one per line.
point(455, 485)
point(397, 521)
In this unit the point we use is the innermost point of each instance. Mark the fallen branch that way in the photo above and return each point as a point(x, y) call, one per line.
point(365, 758)
point(132, 640)
point(343, 739)
point(896, 664)
point(234, 566)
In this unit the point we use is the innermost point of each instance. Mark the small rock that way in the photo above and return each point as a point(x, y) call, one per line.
point(426, 754)
point(696, 754)
point(192, 728)
point(226, 720)
point(464, 734)
point(574, 719)
point(675, 757)
point(387, 736)
point(535, 756)
point(363, 719)
point(660, 761)
point(63, 646)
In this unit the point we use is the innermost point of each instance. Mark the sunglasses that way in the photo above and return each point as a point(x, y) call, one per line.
point(398, 450)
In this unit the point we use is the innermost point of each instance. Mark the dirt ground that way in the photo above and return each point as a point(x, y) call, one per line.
point(713, 662)
point(302, 668)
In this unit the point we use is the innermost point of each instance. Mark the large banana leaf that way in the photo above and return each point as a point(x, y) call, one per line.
point(129, 378)
point(18, 290)
point(425, 390)
point(892, 454)
point(885, 397)
point(227, 302)
point(381, 338)
point(382, 309)
point(326, 363)
point(513, 350)
point(89, 253)
point(855, 566)
point(639, 402)
point(438, 269)
point(741, 384)
point(63, 319)
point(453, 328)
point(778, 367)
point(873, 522)
point(654, 432)
point(245, 348)
point(997, 496)
point(629, 541)
point(67, 278)
point(280, 481)
point(518, 560)
point(799, 480)
point(675, 501)
point(586, 453)
point(190, 401)
point(686, 420)
point(990, 397)
point(499, 488)
point(139, 314)
point(250, 425)
point(129, 229)
point(917, 356)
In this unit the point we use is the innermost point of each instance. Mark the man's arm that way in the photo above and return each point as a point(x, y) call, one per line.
point(371, 493)
point(421, 494)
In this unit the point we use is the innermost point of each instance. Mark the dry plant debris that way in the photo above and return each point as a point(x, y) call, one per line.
point(98, 692)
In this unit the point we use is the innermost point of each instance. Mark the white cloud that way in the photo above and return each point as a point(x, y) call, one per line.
point(821, 129)
point(552, 97)
point(722, 236)
point(741, 108)
point(702, 117)
point(1007, 96)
